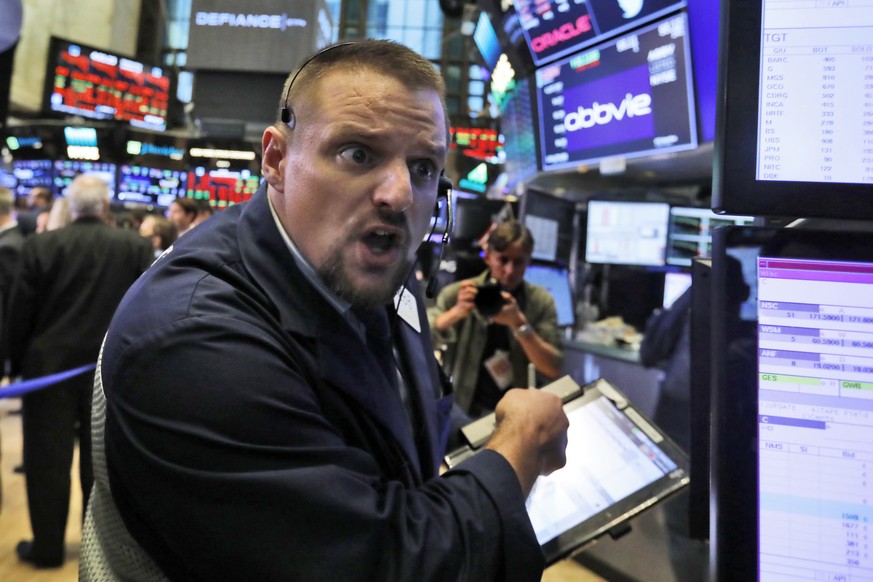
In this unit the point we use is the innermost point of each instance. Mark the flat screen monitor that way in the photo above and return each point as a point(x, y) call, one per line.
point(551, 220)
point(519, 136)
point(796, 122)
point(555, 280)
point(690, 234)
point(793, 410)
point(30, 174)
point(222, 188)
point(486, 41)
point(626, 233)
point(473, 217)
point(629, 97)
point(66, 170)
point(556, 28)
point(96, 84)
point(149, 185)
point(675, 284)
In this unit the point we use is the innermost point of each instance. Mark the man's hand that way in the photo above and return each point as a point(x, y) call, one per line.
point(531, 434)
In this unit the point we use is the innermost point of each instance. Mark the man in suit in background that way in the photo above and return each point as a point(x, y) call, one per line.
point(11, 241)
point(70, 283)
point(39, 200)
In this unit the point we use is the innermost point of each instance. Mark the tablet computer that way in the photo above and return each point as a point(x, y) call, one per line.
point(618, 465)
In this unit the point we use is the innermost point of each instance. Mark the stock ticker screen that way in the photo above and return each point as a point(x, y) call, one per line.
point(98, 85)
point(222, 188)
point(556, 28)
point(631, 96)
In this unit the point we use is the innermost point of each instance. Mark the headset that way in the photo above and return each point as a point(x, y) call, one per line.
point(444, 187)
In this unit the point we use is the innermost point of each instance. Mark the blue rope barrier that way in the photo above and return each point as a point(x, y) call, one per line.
point(25, 386)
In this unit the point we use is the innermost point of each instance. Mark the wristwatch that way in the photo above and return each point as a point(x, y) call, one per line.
point(523, 329)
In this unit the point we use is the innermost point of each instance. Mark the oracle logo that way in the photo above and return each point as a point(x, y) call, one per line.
point(564, 32)
point(601, 114)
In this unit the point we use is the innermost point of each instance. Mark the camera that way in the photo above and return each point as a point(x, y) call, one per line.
point(489, 300)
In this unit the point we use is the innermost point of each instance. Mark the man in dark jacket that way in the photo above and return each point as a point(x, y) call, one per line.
point(273, 408)
point(70, 283)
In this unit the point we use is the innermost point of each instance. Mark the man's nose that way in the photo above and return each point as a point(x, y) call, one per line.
point(395, 188)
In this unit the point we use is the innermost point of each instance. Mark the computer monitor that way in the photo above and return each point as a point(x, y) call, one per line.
point(626, 232)
point(222, 188)
point(555, 280)
point(149, 185)
point(628, 97)
point(66, 170)
point(675, 284)
point(93, 83)
point(795, 123)
point(690, 234)
point(551, 220)
point(556, 29)
point(30, 174)
point(793, 407)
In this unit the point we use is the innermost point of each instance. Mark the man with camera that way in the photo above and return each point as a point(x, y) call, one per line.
point(496, 323)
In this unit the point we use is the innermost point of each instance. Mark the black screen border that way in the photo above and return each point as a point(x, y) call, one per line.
point(735, 189)
point(734, 446)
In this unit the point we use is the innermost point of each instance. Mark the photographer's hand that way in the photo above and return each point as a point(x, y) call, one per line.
point(461, 309)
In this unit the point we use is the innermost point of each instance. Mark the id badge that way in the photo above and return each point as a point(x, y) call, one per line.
point(500, 369)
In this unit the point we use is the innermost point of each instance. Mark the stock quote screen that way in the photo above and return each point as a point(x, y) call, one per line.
point(98, 85)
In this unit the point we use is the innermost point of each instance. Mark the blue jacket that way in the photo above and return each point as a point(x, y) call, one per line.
point(250, 434)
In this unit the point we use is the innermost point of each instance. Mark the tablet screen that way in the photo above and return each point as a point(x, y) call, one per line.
point(617, 465)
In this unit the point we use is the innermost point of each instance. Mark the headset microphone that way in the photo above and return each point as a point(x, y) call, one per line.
point(445, 191)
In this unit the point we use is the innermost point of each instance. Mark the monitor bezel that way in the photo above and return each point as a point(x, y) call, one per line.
point(735, 188)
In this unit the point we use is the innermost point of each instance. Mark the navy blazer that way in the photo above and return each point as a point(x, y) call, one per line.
point(250, 434)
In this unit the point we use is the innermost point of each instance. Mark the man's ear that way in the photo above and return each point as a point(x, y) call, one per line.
point(273, 145)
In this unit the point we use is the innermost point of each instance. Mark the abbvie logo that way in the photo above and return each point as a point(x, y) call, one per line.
point(601, 114)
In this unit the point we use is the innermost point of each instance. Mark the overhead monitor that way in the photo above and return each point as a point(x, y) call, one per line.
point(555, 280)
point(222, 188)
point(793, 416)
point(690, 234)
point(486, 41)
point(551, 220)
point(795, 125)
point(261, 36)
point(30, 174)
point(556, 28)
point(66, 170)
point(86, 81)
point(627, 97)
point(626, 232)
point(149, 185)
point(519, 136)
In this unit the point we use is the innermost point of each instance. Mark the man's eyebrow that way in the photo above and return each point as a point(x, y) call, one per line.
point(435, 148)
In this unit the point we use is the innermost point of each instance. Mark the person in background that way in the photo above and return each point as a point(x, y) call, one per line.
point(159, 231)
point(273, 414)
point(183, 214)
point(70, 282)
point(11, 242)
point(486, 354)
point(58, 217)
point(40, 200)
point(204, 210)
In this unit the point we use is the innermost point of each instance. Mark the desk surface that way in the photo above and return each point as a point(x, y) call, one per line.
point(607, 351)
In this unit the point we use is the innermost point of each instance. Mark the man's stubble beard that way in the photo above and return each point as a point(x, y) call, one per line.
point(333, 273)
